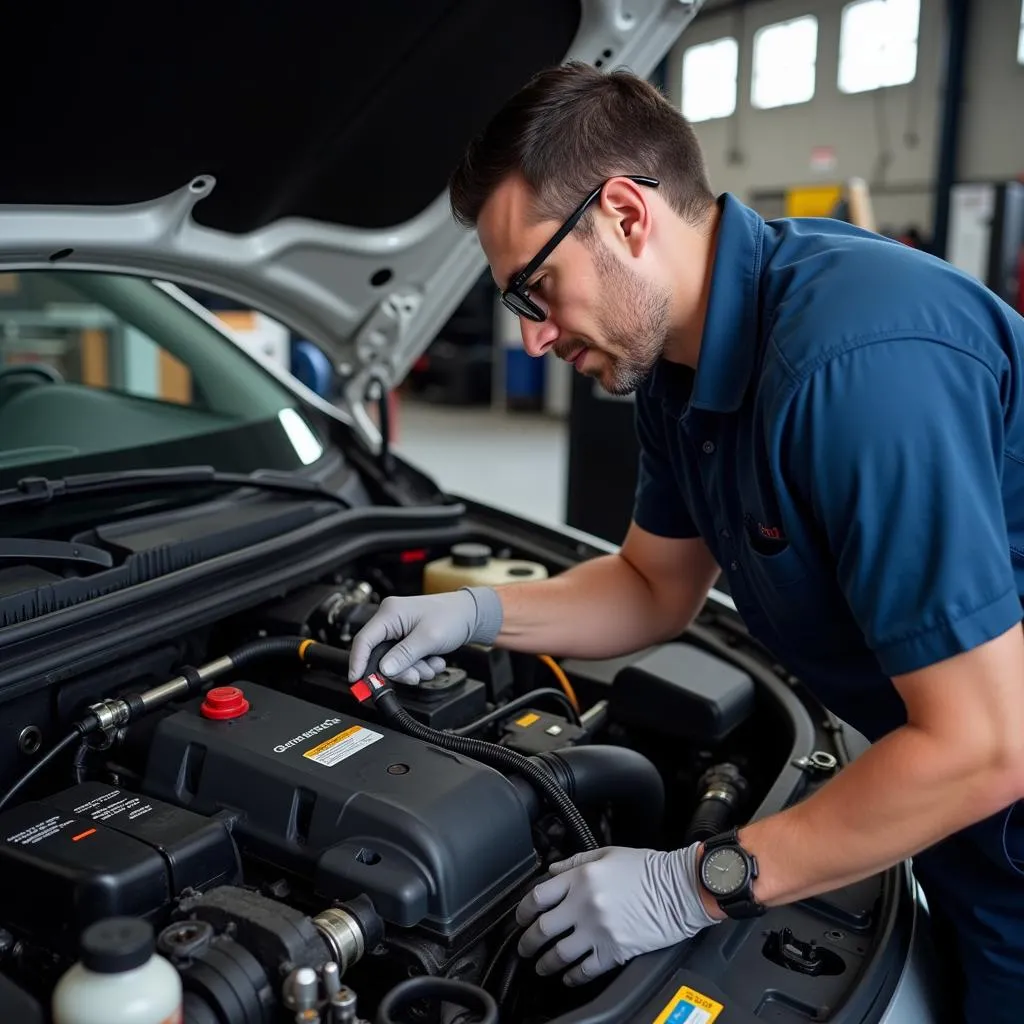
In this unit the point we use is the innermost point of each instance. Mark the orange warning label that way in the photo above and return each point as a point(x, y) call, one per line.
point(345, 744)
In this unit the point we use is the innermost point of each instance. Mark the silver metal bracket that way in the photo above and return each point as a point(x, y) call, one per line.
point(819, 763)
point(375, 347)
point(381, 335)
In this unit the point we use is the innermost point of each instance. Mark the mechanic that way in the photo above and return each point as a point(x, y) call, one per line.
point(833, 420)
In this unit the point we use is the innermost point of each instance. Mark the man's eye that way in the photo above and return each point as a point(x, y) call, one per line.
point(536, 286)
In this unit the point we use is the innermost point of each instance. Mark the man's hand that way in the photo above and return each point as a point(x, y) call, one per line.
point(615, 903)
point(426, 627)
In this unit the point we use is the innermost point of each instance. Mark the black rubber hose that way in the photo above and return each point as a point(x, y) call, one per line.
point(502, 758)
point(507, 978)
point(264, 648)
point(72, 737)
point(506, 944)
point(546, 693)
point(624, 778)
point(711, 818)
point(721, 792)
point(449, 990)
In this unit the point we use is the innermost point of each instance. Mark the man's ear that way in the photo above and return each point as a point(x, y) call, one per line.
point(625, 206)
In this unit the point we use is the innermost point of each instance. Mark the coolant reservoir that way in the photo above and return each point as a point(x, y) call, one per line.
point(120, 979)
point(473, 565)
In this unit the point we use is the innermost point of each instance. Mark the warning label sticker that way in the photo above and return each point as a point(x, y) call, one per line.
point(41, 830)
point(527, 720)
point(345, 744)
point(112, 805)
point(688, 1006)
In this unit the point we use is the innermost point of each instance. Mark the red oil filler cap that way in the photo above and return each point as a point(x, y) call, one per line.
point(224, 702)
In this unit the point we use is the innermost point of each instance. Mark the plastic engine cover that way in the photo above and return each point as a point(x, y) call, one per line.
point(430, 836)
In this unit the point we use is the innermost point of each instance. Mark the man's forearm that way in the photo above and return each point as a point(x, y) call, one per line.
point(601, 608)
point(904, 794)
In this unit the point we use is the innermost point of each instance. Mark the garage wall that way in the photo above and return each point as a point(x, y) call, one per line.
point(889, 136)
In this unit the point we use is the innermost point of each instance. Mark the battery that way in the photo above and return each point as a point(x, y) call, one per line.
point(100, 851)
point(198, 850)
point(59, 873)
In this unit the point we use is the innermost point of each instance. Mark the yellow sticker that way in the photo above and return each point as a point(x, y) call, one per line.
point(688, 1006)
point(345, 744)
point(527, 720)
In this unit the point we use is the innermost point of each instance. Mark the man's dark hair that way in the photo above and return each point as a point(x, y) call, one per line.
point(571, 127)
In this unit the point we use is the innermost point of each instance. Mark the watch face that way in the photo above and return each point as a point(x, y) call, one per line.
point(724, 871)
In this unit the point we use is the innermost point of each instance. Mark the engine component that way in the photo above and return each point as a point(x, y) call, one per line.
point(721, 793)
point(376, 688)
point(679, 690)
point(628, 781)
point(277, 934)
point(119, 978)
point(536, 732)
point(301, 989)
point(492, 666)
point(820, 763)
point(331, 613)
point(448, 701)
point(221, 979)
point(349, 929)
point(430, 837)
point(804, 957)
point(99, 852)
point(461, 993)
point(473, 565)
point(343, 1007)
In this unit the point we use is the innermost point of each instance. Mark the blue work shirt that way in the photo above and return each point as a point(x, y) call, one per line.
point(853, 454)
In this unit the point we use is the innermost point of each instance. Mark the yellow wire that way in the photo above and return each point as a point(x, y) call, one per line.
point(563, 680)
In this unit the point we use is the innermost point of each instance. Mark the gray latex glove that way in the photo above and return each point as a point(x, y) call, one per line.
point(619, 902)
point(425, 628)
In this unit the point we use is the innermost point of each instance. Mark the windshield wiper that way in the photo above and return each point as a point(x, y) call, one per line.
point(38, 490)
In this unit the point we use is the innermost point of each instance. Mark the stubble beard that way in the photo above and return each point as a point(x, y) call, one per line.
point(635, 318)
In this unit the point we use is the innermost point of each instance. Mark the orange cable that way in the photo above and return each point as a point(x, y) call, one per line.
point(563, 680)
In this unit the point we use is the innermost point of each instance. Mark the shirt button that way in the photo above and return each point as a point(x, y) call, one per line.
point(708, 447)
point(734, 565)
point(725, 535)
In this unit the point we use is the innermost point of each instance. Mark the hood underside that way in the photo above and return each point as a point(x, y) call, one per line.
point(293, 157)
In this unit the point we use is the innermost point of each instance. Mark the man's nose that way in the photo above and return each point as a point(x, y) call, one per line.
point(538, 337)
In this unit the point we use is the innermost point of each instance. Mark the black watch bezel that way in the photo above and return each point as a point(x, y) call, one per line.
point(740, 904)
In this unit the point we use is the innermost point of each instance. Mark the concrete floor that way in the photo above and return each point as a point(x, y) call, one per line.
point(516, 461)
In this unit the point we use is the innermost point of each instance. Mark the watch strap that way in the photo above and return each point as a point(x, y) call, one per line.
point(741, 905)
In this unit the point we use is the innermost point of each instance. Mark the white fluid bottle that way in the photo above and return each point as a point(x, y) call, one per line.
point(119, 979)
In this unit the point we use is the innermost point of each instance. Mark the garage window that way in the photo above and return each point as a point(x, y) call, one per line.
point(784, 63)
point(878, 44)
point(709, 79)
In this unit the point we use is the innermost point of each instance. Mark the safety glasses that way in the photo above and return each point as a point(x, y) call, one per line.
point(515, 296)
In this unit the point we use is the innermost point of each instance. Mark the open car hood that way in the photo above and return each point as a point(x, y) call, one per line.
point(296, 162)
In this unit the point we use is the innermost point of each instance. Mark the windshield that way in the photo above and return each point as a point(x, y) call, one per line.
point(103, 372)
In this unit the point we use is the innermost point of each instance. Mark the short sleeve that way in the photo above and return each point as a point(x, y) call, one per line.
point(659, 506)
point(896, 449)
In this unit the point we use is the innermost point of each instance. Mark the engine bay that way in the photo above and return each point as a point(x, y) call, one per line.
point(305, 848)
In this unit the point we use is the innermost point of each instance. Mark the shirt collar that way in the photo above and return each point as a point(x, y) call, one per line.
point(728, 346)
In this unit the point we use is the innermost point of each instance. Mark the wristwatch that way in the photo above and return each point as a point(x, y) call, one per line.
point(728, 871)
